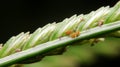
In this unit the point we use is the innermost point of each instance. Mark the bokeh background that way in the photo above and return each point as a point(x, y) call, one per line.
point(27, 15)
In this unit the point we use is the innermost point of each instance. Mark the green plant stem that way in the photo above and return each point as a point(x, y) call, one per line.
point(49, 32)
point(46, 47)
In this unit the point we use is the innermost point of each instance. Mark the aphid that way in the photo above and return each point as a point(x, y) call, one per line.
point(68, 32)
point(18, 50)
point(72, 33)
point(82, 19)
point(75, 34)
point(96, 40)
point(100, 23)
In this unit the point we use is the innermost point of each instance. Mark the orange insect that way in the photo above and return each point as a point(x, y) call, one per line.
point(72, 33)
point(75, 34)
point(68, 32)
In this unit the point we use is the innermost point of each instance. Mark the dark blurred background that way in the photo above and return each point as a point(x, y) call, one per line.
point(22, 15)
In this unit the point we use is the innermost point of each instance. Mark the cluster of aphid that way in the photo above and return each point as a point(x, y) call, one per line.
point(73, 33)
point(96, 40)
